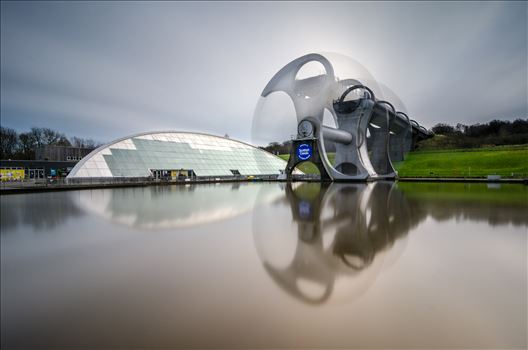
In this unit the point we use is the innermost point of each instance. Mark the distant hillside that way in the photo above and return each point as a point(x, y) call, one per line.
point(494, 133)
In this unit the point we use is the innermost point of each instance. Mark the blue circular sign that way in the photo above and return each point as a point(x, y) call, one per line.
point(304, 151)
point(305, 209)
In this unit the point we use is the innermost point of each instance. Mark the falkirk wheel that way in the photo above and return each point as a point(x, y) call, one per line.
point(368, 134)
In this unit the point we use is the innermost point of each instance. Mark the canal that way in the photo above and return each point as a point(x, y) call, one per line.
point(378, 265)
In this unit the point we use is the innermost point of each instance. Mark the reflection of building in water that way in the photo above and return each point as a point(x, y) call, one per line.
point(340, 230)
point(160, 207)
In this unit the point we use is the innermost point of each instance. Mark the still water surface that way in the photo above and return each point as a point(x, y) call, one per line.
point(266, 265)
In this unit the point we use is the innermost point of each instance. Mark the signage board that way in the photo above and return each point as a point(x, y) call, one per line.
point(304, 151)
point(12, 174)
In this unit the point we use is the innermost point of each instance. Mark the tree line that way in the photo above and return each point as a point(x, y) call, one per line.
point(15, 145)
point(494, 133)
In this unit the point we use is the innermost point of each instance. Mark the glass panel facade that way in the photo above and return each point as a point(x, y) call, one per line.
point(206, 155)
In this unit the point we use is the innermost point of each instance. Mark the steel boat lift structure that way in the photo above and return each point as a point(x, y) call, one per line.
point(370, 133)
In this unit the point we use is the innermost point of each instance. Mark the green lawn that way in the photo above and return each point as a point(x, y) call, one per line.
point(507, 161)
point(479, 162)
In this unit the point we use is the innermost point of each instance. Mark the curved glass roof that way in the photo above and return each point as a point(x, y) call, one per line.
point(206, 155)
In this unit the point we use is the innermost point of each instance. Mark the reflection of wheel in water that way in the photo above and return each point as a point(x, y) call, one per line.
point(290, 248)
point(323, 242)
point(400, 223)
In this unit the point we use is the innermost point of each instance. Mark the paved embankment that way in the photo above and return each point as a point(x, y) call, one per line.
point(35, 187)
point(14, 188)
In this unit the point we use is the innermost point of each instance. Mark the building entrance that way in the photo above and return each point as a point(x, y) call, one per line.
point(172, 174)
point(36, 173)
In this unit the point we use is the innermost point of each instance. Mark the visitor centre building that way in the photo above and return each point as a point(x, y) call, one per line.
point(176, 155)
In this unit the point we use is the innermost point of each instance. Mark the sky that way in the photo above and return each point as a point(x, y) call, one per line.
point(105, 70)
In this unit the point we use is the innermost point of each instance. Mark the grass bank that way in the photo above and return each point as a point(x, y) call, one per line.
point(506, 161)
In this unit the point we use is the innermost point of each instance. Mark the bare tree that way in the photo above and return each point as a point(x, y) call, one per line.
point(84, 143)
point(36, 137)
point(63, 141)
point(89, 143)
point(8, 142)
point(77, 141)
point(26, 148)
point(50, 137)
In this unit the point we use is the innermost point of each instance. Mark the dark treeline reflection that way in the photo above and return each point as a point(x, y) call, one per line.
point(496, 204)
point(341, 228)
point(42, 211)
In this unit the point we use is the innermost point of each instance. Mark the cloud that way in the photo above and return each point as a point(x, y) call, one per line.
point(104, 70)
